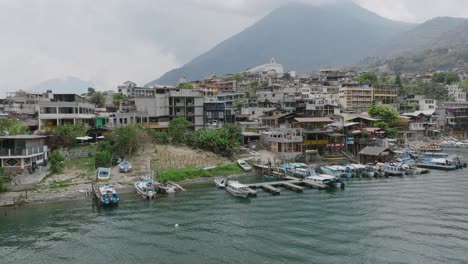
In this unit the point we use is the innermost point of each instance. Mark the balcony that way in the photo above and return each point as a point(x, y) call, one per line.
point(22, 152)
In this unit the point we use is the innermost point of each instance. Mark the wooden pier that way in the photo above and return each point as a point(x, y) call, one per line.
point(291, 183)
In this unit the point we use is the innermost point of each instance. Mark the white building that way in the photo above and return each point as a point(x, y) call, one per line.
point(273, 66)
point(456, 93)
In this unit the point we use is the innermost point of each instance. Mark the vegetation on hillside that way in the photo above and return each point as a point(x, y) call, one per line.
point(179, 174)
point(11, 126)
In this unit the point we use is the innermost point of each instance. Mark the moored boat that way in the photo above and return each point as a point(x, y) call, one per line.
point(336, 170)
point(167, 188)
point(394, 169)
point(146, 188)
point(438, 164)
point(244, 165)
point(102, 174)
point(107, 195)
point(238, 189)
point(220, 181)
point(326, 179)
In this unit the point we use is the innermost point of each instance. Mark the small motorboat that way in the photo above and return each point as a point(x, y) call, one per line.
point(244, 165)
point(221, 181)
point(167, 188)
point(240, 190)
point(146, 188)
point(125, 166)
point(102, 174)
point(107, 195)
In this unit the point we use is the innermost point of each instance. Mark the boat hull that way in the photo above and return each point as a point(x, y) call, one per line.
point(237, 193)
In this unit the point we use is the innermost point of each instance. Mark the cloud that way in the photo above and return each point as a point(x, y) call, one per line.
point(108, 42)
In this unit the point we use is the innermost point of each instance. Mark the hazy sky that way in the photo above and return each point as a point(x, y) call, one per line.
point(111, 41)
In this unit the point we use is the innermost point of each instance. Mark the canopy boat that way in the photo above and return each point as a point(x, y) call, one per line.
point(146, 188)
point(438, 164)
point(394, 169)
point(107, 195)
point(298, 169)
point(238, 189)
point(244, 165)
point(326, 179)
point(337, 170)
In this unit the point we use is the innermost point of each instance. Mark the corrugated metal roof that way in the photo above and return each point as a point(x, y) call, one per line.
point(373, 151)
point(313, 120)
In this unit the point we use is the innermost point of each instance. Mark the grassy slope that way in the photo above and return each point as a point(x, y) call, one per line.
point(190, 173)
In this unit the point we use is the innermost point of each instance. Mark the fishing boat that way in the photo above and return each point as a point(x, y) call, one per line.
point(107, 195)
point(438, 164)
point(326, 179)
point(146, 188)
point(244, 165)
point(102, 174)
point(238, 189)
point(221, 181)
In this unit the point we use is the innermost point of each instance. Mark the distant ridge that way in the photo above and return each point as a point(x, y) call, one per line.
point(67, 85)
point(301, 37)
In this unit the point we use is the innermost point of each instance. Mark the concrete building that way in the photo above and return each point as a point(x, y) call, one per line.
point(22, 152)
point(456, 93)
point(354, 97)
point(63, 109)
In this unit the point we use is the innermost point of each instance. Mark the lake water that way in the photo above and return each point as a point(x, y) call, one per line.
point(416, 219)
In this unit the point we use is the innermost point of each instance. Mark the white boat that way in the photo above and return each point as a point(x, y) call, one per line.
point(326, 179)
point(221, 181)
point(244, 165)
point(102, 174)
point(394, 169)
point(238, 189)
point(438, 164)
point(167, 188)
point(337, 170)
point(146, 188)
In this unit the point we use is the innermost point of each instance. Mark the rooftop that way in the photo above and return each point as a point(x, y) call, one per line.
point(313, 120)
point(22, 137)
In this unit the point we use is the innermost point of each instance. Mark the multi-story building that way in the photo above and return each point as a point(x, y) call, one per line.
point(222, 108)
point(22, 152)
point(354, 97)
point(456, 93)
point(63, 109)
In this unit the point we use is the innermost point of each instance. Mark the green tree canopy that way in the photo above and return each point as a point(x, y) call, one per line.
point(11, 126)
point(185, 85)
point(117, 98)
point(126, 140)
point(367, 78)
point(445, 77)
point(178, 129)
point(98, 99)
point(65, 135)
point(385, 112)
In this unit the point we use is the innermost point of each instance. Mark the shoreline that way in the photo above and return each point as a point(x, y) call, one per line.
point(83, 191)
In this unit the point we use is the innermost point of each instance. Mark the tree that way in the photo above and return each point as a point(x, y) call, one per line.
point(56, 161)
point(117, 98)
point(386, 112)
point(185, 85)
point(65, 135)
point(91, 91)
point(11, 126)
point(367, 78)
point(98, 99)
point(445, 77)
point(126, 140)
point(178, 130)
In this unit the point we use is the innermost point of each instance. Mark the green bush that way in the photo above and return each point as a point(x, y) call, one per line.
point(56, 161)
point(102, 159)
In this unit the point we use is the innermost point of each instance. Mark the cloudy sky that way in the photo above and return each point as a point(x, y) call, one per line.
point(111, 41)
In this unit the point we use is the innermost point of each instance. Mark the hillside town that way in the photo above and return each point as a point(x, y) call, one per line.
point(283, 112)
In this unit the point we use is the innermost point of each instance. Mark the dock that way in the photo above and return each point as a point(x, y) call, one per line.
point(290, 183)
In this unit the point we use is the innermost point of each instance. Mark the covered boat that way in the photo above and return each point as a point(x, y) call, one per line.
point(238, 189)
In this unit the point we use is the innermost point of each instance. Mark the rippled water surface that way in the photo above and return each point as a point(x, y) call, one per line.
point(419, 219)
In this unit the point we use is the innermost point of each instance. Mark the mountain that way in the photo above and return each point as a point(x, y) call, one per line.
point(434, 33)
point(438, 44)
point(67, 85)
point(301, 37)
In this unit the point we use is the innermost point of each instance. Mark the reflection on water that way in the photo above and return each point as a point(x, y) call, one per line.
point(417, 219)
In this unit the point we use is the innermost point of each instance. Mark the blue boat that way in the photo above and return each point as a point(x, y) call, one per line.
point(107, 195)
